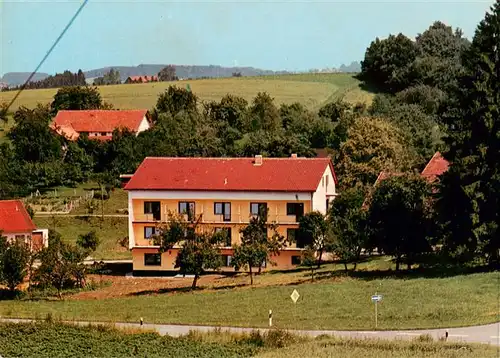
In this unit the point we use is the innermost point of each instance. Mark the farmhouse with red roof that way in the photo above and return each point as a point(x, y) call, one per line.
point(434, 168)
point(141, 79)
point(223, 194)
point(16, 224)
point(99, 124)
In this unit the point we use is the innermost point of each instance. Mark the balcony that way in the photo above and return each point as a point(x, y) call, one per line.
point(219, 219)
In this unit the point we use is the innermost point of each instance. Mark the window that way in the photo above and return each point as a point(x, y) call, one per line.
point(187, 207)
point(149, 231)
point(327, 204)
point(294, 236)
point(296, 260)
point(257, 208)
point(323, 182)
point(152, 259)
point(20, 239)
point(227, 230)
point(153, 207)
point(326, 178)
point(103, 133)
point(226, 260)
point(296, 209)
point(223, 209)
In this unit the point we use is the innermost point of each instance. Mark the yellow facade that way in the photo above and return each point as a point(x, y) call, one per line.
point(205, 209)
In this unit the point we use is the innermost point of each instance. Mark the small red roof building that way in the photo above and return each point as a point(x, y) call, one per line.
point(14, 219)
point(231, 174)
point(141, 79)
point(436, 166)
point(99, 124)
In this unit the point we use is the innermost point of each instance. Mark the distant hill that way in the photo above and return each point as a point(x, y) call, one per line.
point(18, 78)
point(182, 71)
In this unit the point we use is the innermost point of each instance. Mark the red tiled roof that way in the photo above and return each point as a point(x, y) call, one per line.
point(71, 123)
point(436, 166)
point(144, 78)
point(231, 174)
point(14, 218)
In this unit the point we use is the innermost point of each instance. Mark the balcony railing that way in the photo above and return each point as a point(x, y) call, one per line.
point(219, 219)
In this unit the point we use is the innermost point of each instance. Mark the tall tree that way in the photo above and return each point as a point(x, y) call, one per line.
point(256, 245)
point(32, 138)
point(349, 225)
point(14, 263)
point(386, 62)
point(399, 218)
point(167, 73)
point(61, 264)
point(175, 100)
point(199, 249)
point(316, 231)
point(263, 113)
point(470, 191)
point(76, 98)
point(373, 145)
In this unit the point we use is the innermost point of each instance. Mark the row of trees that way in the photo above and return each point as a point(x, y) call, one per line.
point(452, 85)
point(111, 77)
point(61, 264)
point(67, 78)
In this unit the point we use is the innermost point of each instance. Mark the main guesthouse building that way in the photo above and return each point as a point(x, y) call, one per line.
point(223, 194)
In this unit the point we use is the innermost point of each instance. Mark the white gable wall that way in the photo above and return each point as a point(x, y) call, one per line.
point(326, 190)
point(143, 126)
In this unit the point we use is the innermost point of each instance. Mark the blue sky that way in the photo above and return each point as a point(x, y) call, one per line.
point(291, 35)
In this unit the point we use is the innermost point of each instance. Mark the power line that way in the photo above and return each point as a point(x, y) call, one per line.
point(47, 54)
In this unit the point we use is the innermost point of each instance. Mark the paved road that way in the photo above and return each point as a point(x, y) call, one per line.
point(489, 334)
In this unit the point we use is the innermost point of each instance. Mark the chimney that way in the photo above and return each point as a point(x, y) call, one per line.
point(258, 160)
point(294, 155)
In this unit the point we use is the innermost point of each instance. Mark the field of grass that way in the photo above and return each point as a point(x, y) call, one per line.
point(350, 348)
point(60, 340)
point(312, 90)
point(109, 232)
point(336, 302)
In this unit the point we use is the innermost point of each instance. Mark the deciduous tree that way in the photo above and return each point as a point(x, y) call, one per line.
point(167, 73)
point(316, 232)
point(373, 145)
point(257, 245)
point(399, 218)
point(199, 248)
point(14, 258)
point(349, 225)
point(76, 98)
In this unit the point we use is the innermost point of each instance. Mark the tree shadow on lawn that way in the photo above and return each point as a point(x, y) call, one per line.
point(185, 289)
point(422, 272)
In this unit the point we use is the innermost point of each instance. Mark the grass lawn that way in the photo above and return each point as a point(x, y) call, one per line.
point(312, 90)
point(335, 302)
point(109, 232)
point(60, 340)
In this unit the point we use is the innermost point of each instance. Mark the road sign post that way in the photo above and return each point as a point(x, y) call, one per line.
point(376, 299)
point(295, 296)
point(270, 318)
